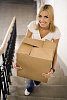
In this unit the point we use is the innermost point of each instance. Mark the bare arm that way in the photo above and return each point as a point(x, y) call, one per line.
point(55, 55)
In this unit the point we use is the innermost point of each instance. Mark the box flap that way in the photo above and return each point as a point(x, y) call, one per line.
point(49, 44)
point(33, 42)
point(24, 48)
point(43, 53)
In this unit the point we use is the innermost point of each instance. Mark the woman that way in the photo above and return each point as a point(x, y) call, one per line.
point(43, 28)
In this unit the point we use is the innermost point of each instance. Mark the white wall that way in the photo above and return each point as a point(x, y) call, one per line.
point(51, 2)
point(42, 2)
point(61, 21)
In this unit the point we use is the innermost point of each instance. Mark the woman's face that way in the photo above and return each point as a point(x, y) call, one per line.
point(44, 19)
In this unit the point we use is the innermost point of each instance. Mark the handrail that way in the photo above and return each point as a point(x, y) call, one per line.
point(7, 50)
point(7, 36)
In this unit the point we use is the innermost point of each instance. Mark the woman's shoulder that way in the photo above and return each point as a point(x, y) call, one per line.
point(57, 33)
point(32, 25)
point(32, 22)
point(56, 29)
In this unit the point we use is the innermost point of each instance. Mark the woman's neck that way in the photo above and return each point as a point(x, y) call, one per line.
point(44, 28)
point(43, 31)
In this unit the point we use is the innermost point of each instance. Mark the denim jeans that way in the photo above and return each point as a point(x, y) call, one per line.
point(30, 85)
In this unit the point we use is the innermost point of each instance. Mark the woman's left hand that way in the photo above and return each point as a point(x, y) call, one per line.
point(47, 75)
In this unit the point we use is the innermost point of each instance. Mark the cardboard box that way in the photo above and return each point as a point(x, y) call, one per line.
point(35, 57)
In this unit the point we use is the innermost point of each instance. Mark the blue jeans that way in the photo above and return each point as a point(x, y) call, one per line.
point(30, 85)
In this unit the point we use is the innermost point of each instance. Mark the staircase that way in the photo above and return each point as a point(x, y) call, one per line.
point(55, 89)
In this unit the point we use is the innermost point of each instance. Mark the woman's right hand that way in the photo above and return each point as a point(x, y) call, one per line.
point(16, 66)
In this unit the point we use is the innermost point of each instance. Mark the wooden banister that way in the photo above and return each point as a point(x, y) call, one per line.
point(7, 37)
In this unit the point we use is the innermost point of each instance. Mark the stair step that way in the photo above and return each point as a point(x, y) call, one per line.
point(58, 80)
point(18, 2)
point(52, 81)
point(32, 98)
point(52, 91)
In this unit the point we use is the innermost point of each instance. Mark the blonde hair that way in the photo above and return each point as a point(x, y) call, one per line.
point(50, 11)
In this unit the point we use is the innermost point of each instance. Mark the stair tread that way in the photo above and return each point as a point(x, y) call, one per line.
point(32, 98)
point(53, 81)
point(59, 91)
point(19, 2)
